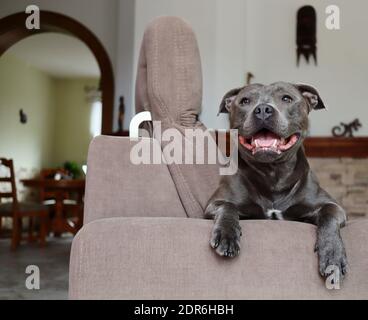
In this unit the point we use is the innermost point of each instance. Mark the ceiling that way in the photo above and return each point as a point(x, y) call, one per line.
point(59, 55)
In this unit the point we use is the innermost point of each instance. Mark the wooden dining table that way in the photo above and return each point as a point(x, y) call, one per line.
point(60, 223)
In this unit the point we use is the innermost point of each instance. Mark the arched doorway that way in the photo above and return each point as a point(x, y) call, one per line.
point(12, 30)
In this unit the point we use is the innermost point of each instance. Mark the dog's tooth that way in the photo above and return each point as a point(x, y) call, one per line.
point(256, 143)
point(253, 142)
point(274, 144)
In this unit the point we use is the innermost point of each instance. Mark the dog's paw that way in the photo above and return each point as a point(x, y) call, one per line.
point(226, 240)
point(332, 257)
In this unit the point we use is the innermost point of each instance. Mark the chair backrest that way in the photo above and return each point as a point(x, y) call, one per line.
point(12, 193)
point(50, 173)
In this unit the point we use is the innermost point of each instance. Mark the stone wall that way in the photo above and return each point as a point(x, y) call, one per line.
point(345, 179)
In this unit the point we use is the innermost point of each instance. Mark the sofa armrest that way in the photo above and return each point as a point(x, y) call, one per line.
point(116, 187)
point(170, 258)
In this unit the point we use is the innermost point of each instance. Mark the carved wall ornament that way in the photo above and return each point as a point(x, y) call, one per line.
point(346, 130)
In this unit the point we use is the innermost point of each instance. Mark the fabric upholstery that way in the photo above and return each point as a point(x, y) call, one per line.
point(116, 187)
point(170, 258)
point(139, 244)
point(169, 85)
point(169, 78)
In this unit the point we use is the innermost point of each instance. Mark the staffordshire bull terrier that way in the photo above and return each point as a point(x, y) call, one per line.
point(273, 180)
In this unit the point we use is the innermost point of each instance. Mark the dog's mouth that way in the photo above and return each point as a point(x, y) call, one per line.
point(266, 140)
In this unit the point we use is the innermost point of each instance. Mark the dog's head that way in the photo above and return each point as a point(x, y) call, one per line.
point(272, 120)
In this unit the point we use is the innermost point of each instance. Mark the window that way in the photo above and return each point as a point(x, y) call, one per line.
point(96, 119)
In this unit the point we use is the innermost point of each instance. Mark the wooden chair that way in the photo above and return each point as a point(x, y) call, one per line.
point(18, 210)
point(47, 197)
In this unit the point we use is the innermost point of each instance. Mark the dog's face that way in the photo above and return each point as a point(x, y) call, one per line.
point(272, 120)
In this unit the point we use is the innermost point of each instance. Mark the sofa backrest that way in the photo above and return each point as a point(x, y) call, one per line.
point(169, 76)
point(169, 85)
point(117, 187)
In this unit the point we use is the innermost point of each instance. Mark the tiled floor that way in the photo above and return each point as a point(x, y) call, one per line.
point(53, 263)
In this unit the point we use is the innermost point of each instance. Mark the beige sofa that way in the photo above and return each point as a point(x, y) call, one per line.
point(144, 236)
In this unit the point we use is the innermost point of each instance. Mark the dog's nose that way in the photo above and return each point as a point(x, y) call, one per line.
point(263, 111)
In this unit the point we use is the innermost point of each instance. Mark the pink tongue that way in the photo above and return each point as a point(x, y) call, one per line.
point(265, 139)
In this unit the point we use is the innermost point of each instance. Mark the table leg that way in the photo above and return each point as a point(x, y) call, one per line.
point(60, 224)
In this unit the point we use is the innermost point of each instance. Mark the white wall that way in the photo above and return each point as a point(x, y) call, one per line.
point(59, 116)
point(72, 123)
point(213, 21)
point(124, 80)
point(341, 74)
point(100, 16)
point(237, 36)
point(110, 20)
point(30, 145)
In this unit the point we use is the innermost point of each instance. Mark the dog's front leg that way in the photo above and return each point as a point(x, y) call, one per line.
point(330, 247)
point(226, 233)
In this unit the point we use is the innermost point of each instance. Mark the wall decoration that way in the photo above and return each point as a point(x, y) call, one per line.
point(249, 77)
point(22, 117)
point(121, 116)
point(346, 130)
point(306, 38)
point(121, 113)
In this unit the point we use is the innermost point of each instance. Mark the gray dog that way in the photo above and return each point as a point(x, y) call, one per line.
point(274, 180)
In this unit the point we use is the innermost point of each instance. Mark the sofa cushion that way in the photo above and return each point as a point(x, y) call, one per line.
point(116, 187)
point(170, 258)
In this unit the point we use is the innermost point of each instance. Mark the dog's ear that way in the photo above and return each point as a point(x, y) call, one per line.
point(312, 96)
point(228, 99)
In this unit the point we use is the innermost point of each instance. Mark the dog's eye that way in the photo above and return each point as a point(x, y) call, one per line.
point(287, 98)
point(244, 101)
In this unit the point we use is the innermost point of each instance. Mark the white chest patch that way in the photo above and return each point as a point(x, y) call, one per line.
point(274, 214)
